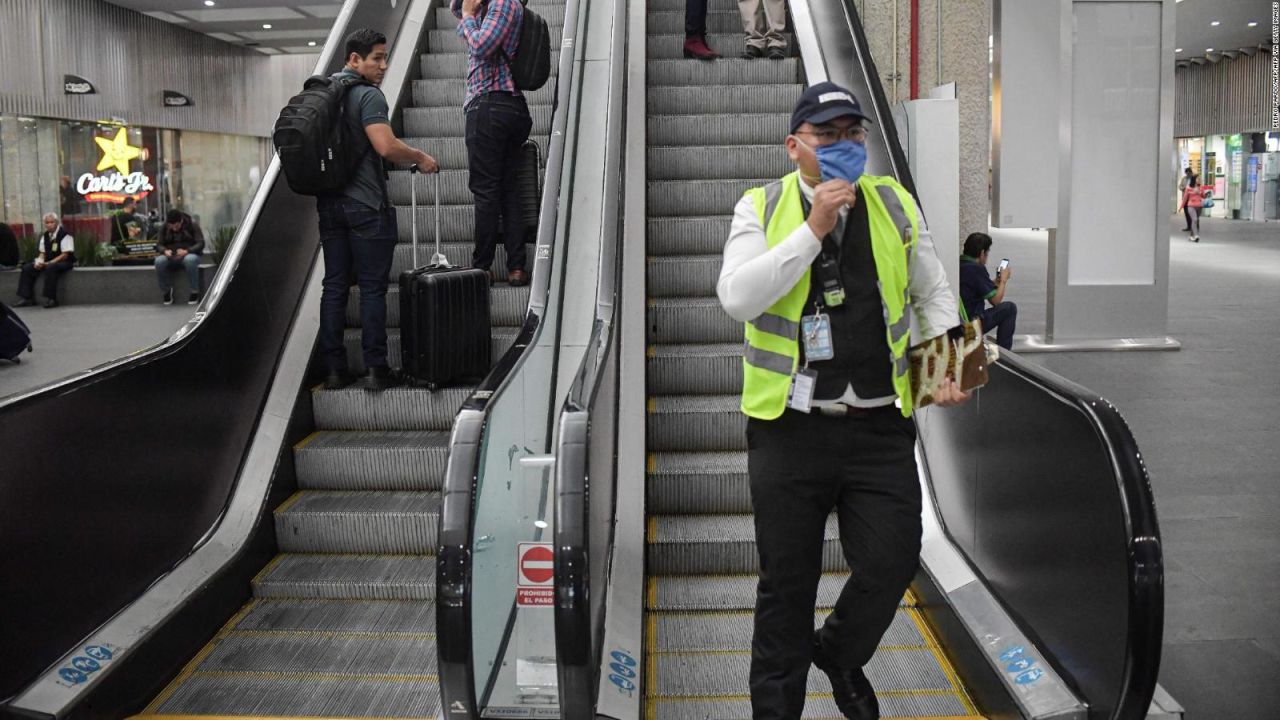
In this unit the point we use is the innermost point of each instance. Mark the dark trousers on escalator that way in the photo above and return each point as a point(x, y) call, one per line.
point(695, 18)
point(802, 468)
point(358, 243)
point(498, 123)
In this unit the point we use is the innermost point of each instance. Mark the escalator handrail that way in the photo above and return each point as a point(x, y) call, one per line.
point(458, 497)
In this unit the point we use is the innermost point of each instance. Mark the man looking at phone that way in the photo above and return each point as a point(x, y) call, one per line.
point(976, 289)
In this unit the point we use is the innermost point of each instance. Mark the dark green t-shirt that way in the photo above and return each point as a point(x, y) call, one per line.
point(366, 105)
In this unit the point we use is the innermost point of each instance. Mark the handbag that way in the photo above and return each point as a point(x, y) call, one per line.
point(961, 348)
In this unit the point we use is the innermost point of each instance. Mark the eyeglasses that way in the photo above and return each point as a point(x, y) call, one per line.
point(826, 136)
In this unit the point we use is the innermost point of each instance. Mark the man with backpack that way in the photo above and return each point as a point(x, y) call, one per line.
point(358, 224)
point(498, 123)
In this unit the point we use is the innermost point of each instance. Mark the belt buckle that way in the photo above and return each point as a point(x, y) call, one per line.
point(837, 410)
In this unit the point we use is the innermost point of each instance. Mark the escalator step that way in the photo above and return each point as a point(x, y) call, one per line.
point(298, 695)
point(348, 577)
point(696, 423)
point(341, 521)
point(729, 100)
point(453, 64)
point(349, 654)
point(507, 304)
point(372, 460)
point(451, 93)
point(690, 320)
point(451, 153)
point(449, 121)
point(686, 130)
point(717, 675)
point(678, 5)
point(687, 235)
point(552, 13)
point(703, 482)
point(731, 632)
point(671, 46)
point(683, 276)
point(726, 71)
point(695, 369)
point(370, 616)
point(669, 22)
point(723, 544)
point(457, 223)
point(695, 197)
point(715, 162)
point(502, 338)
point(401, 408)
point(724, 592)
point(905, 704)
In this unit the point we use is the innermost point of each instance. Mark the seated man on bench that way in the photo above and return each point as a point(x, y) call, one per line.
point(181, 243)
point(55, 255)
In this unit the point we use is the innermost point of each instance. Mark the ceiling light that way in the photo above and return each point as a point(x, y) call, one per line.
point(541, 524)
point(266, 26)
point(1208, 49)
point(208, 3)
point(311, 44)
point(1253, 24)
point(1178, 50)
point(1215, 23)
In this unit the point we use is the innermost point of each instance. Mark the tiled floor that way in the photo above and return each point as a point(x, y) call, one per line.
point(1206, 418)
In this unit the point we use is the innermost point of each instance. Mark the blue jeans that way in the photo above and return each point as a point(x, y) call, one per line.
point(358, 242)
point(1002, 318)
point(165, 265)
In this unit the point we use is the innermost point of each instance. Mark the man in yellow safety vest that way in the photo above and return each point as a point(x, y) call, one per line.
point(826, 268)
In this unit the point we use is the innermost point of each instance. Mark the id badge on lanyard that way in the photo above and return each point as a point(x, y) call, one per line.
point(815, 333)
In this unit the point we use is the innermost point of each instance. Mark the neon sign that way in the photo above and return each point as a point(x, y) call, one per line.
point(118, 185)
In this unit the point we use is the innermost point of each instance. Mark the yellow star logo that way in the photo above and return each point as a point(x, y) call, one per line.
point(117, 152)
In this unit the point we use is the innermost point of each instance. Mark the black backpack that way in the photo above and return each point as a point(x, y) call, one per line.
point(531, 65)
point(311, 137)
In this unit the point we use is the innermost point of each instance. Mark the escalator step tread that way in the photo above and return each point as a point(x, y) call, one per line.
point(731, 631)
point(401, 408)
point(304, 696)
point(451, 93)
point(728, 592)
point(351, 577)
point(343, 521)
point(671, 45)
point(724, 674)
point(754, 129)
point(501, 339)
point(666, 22)
point(372, 460)
point(725, 71)
point(552, 13)
point(687, 235)
point(698, 482)
point(369, 616)
point(689, 544)
point(732, 162)
point(447, 121)
point(697, 197)
point(683, 276)
point(680, 320)
point(696, 423)
point(453, 64)
point(818, 706)
point(728, 100)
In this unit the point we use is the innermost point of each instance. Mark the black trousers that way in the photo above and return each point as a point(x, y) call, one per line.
point(497, 125)
point(803, 467)
point(52, 273)
point(695, 18)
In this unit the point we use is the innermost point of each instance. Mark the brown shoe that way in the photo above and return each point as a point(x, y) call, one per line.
point(518, 278)
point(696, 47)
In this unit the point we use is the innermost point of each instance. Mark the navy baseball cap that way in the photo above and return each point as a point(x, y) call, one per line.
point(825, 101)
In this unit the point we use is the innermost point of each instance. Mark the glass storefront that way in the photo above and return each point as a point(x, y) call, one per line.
point(1243, 171)
point(84, 170)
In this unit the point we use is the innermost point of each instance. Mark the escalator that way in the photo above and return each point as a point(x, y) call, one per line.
point(714, 131)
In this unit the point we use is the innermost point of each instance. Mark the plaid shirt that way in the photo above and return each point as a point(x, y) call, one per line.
point(490, 41)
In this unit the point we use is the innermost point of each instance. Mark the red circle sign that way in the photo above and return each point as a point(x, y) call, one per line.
point(537, 564)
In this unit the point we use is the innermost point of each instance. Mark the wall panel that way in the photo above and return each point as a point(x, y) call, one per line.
point(131, 58)
point(1229, 96)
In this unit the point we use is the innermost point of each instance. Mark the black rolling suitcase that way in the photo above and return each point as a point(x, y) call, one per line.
point(15, 336)
point(444, 314)
point(528, 187)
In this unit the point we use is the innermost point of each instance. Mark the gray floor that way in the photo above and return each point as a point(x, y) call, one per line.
point(1205, 418)
point(72, 338)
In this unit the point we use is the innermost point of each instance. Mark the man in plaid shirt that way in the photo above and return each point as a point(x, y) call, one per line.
point(498, 123)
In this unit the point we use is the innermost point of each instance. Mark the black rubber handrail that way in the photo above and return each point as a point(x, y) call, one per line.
point(458, 501)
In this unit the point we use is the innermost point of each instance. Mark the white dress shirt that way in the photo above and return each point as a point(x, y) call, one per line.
point(754, 277)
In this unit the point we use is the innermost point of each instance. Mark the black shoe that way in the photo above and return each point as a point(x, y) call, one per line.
point(777, 53)
point(379, 378)
point(752, 53)
point(25, 302)
point(853, 692)
point(167, 297)
point(193, 298)
point(50, 304)
point(337, 379)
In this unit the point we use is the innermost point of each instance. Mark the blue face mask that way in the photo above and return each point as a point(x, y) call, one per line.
point(844, 159)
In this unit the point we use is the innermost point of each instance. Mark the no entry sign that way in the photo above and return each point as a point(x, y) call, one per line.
point(535, 573)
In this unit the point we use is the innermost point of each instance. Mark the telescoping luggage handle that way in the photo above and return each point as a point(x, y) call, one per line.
point(437, 260)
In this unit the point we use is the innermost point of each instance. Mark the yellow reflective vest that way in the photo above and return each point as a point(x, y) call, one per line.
point(772, 351)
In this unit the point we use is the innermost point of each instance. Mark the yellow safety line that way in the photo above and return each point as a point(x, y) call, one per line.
point(812, 696)
point(651, 351)
point(268, 568)
point(303, 442)
point(653, 530)
point(651, 405)
point(653, 593)
point(943, 661)
point(651, 465)
point(300, 675)
point(292, 499)
point(189, 669)
point(375, 634)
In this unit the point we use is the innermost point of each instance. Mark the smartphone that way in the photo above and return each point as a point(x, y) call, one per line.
point(1001, 267)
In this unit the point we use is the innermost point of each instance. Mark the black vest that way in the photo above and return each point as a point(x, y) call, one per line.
point(858, 333)
point(53, 243)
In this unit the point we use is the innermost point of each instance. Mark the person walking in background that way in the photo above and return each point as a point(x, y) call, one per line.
point(55, 255)
point(1193, 205)
point(358, 231)
point(498, 123)
point(695, 31)
point(764, 22)
point(1182, 187)
point(976, 289)
point(180, 245)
